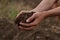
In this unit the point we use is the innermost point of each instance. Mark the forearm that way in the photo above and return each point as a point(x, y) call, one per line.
point(44, 5)
point(54, 12)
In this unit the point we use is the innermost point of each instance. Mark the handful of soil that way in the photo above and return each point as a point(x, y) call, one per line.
point(22, 18)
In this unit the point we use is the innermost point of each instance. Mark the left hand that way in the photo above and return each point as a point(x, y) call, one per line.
point(39, 16)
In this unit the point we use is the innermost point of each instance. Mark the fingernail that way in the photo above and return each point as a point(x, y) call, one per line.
point(27, 20)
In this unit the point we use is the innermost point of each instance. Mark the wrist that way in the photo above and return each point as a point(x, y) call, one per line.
point(46, 14)
point(49, 13)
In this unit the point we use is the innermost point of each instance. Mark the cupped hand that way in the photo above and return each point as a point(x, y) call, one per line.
point(38, 16)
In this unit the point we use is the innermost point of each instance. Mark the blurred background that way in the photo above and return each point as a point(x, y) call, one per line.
point(9, 8)
point(49, 29)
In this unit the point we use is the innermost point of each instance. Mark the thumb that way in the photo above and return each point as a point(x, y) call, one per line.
point(31, 18)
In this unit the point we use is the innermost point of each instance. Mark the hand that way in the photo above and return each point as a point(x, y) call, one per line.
point(38, 16)
point(20, 17)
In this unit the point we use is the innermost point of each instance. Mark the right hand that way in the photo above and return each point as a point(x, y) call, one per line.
point(22, 12)
point(39, 17)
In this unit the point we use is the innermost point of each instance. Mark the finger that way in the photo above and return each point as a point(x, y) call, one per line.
point(35, 22)
point(31, 24)
point(31, 18)
point(30, 28)
point(20, 27)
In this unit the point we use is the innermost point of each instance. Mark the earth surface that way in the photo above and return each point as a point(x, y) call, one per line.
point(49, 29)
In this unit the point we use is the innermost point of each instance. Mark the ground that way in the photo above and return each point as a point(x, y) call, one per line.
point(49, 29)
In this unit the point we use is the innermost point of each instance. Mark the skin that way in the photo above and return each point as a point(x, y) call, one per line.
point(41, 13)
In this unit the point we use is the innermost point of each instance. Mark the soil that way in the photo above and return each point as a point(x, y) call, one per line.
point(49, 29)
